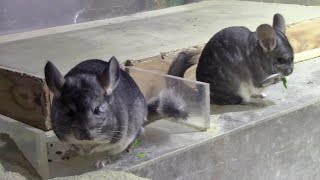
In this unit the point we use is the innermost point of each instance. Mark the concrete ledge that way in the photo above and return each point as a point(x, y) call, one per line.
point(279, 140)
point(284, 147)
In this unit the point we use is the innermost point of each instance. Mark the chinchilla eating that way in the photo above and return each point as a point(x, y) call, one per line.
point(238, 64)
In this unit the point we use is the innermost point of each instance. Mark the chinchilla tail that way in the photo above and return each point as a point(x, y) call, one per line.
point(182, 63)
point(167, 105)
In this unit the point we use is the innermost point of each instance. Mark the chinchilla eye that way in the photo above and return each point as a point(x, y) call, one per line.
point(70, 112)
point(97, 110)
point(281, 60)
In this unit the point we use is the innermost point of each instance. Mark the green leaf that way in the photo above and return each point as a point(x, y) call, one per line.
point(137, 143)
point(141, 155)
point(284, 82)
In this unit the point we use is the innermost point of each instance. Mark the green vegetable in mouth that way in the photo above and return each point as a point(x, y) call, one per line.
point(141, 155)
point(284, 82)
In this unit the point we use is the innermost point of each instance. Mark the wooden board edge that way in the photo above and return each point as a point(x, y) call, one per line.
point(25, 98)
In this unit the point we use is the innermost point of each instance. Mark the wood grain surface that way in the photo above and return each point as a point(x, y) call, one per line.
point(24, 98)
point(305, 35)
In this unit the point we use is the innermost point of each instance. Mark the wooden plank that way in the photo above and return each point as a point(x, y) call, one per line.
point(304, 36)
point(24, 98)
point(307, 55)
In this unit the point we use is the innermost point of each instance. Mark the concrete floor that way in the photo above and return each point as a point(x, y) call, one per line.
point(173, 28)
point(13, 166)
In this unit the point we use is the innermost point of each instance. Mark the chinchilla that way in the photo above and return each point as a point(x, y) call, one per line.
point(98, 107)
point(237, 63)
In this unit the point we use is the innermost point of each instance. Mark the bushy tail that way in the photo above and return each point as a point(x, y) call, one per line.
point(182, 63)
point(167, 105)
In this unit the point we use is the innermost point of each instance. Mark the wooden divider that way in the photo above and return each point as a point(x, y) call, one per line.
point(24, 98)
point(304, 36)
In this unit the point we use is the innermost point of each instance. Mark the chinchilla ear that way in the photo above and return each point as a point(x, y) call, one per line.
point(267, 38)
point(279, 23)
point(110, 76)
point(54, 79)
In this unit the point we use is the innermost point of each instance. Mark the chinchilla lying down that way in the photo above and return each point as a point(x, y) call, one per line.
point(98, 107)
point(238, 64)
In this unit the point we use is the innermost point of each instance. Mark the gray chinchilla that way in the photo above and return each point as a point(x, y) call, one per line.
point(236, 62)
point(97, 107)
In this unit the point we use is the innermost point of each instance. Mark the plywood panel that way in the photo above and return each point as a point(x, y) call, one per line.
point(304, 36)
point(25, 98)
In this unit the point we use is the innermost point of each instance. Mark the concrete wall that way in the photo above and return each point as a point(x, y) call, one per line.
point(20, 15)
point(282, 148)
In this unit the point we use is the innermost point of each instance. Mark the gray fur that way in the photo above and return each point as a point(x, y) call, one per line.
point(54, 79)
point(167, 104)
point(182, 63)
point(99, 107)
point(235, 58)
point(179, 66)
point(279, 23)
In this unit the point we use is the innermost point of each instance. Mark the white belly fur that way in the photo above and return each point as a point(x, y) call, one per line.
point(247, 90)
point(113, 149)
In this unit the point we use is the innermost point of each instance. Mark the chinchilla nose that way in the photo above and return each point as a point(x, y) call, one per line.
point(289, 71)
point(85, 135)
